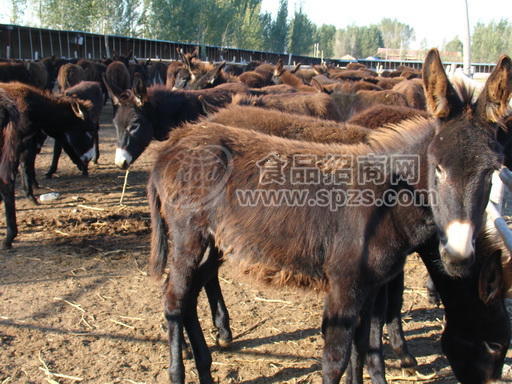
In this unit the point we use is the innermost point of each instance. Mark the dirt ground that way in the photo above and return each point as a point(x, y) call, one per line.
point(76, 304)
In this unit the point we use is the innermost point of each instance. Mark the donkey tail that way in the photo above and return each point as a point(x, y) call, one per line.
point(8, 140)
point(159, 234)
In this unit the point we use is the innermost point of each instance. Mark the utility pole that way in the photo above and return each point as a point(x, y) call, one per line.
point(467, 44)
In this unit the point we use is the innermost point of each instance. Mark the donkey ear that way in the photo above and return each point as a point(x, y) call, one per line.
point(296, 68)
point(77, 110)
point(113, 97)
point(139, 90)
point(493, 101)
point(279, 67)
point(490, 283)
point(220, 66)
point(316, 84)
point(442, 99)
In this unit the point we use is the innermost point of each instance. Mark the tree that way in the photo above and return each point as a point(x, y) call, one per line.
point(395, 34)
point(279, 30)
point(491, 40)
point(302, 31)
point(17, 10)
point(358, 41)
point(68, 14)
point(454, 45)
point(325, 36)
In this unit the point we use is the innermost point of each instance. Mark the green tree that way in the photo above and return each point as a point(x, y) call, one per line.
point(454, 45)
point(67, 14)
point(491, 40)
point(17, 10)
point(279, 29)
point(395, 34)
point(325, 36)
point(358, 41)
point(302, 32)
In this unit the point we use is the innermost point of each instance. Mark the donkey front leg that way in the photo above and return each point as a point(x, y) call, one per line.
point(341, 313)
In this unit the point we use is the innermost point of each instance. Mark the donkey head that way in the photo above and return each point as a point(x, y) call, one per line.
point(278, 71)
point(134, 129)
point(78, 139)
point(210, 79)
point(462, 155)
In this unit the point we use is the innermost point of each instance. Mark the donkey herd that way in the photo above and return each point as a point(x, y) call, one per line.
point(230, 118)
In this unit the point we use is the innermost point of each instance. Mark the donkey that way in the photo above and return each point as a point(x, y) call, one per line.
point(212, 78)
point(9, 120)
point(64, 118)
point(389, 301)
point(147, 114)
point(204, 211)
point(283, 76)
point(89, 91)
point(413, 91)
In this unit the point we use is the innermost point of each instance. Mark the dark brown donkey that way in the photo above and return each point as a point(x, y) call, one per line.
point(66, 119)
point(484, 364)
point(208, 206)
point(89, 91)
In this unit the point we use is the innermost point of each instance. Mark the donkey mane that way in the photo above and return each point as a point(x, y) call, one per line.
point(466, 91)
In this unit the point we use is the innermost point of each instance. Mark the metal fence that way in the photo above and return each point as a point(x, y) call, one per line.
point(27, 43)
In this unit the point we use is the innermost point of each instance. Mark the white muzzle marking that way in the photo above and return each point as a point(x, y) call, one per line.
point(459, 235)
point(122, 158)
point(89, 155)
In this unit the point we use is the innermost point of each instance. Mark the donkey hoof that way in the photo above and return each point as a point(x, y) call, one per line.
point(408, 361)
point(224, 342)
point(48, 175)
point(6, 245)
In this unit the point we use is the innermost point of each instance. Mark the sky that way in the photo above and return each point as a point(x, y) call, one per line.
point(437, 21)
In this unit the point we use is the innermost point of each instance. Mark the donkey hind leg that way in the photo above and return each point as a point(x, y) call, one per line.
point(181, 293)
point(57, 150)
point(28, 178)
point(360, 345)
point(97, 144)
point(375, 357)
point(7, 194)
point(218, 307)
point(394, 322)
point(340, 317)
